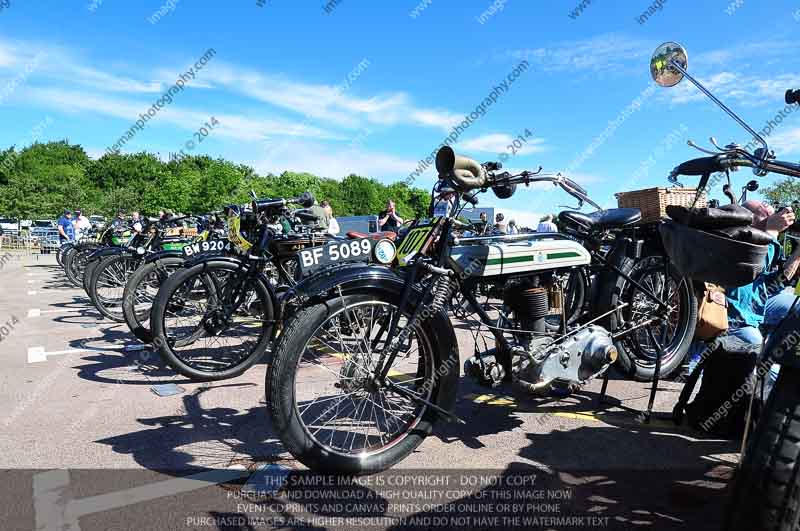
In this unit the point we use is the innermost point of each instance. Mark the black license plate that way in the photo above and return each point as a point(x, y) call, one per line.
point(337, 252)
point(213, 246)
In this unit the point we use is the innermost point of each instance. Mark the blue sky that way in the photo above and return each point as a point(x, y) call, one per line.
point(372, 87)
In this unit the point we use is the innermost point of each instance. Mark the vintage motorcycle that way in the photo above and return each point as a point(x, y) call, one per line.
point(767, 486)
point(368, 360)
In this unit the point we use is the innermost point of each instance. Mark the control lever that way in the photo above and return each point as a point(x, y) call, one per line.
point(698, 148)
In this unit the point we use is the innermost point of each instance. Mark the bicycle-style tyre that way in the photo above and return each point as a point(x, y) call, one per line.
point(141, 291)
point(766, 495)
point(75, 263)
point(211, 323)
point(348, 424)
point(107, 284)
point(637, 354)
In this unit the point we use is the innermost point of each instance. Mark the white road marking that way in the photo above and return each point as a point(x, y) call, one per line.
point(36, 312)
point(32, 281)
point(55, 508)
point(33, 292)
point(38, 354)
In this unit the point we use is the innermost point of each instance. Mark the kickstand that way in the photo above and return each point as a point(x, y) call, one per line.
point(656, 375)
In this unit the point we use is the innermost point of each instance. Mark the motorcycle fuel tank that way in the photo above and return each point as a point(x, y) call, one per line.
point(505, 255)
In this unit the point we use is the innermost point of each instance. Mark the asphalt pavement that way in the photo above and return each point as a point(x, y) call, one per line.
point(86, 442)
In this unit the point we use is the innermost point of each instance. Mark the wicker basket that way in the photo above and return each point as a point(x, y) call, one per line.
point(653, 202)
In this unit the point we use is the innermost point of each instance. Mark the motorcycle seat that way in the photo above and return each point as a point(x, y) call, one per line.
point(604, 219)
point(354, 234)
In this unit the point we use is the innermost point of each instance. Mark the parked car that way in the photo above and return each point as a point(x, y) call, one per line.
point(10, 226)
point(99, 222)
point(42, 227)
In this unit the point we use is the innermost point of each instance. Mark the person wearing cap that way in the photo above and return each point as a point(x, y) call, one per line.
point(66, 230)
point(81, 224)
point(119, 222)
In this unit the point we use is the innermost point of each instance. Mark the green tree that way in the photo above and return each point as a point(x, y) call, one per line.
point(783, 192)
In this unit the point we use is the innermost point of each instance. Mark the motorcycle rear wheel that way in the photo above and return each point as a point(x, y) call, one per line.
point(141, 291)
point(636, 353)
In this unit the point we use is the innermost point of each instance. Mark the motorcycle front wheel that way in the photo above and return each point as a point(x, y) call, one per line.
point(211, 321)
point(327, 407)
point(140, 293)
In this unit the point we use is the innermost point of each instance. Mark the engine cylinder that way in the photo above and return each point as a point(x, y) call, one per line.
point(532, 307)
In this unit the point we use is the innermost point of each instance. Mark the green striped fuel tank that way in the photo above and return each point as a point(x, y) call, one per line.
point(506, 255)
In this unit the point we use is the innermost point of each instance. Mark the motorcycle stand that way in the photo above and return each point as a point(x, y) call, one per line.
point(645, 415)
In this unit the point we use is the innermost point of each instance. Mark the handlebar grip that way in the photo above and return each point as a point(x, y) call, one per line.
point(259, 205)
point(575, 186)
point(792, 96)
point(701, 166)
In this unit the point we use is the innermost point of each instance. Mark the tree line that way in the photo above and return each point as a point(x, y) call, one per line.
point(41, 180)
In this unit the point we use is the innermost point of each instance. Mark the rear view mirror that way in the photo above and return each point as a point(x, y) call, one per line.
point(662, 68)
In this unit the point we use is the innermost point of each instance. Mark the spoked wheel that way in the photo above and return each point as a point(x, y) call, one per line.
point(329, 409)
point(766, 494)
point(140, 293)
point(637, 351)
point(211, 321)
point(75, 263)
point(107, 284)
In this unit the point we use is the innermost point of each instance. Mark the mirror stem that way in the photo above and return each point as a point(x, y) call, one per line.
point(741, 122)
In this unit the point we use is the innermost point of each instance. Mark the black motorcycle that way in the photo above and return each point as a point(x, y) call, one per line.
point(767, 486)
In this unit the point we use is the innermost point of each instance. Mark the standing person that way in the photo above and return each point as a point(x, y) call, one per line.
point(388, 220)
point(546, 224)
point(136, 223)
point(119, 222)
point(321, 214)
point(500, 224)
point(66, 230)
point(484, 222)
point(82, 225)
point(333, 225)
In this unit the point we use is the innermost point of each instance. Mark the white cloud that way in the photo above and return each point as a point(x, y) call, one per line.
point(599, 53)
point(499, 143)
point(736, 87)
point(238, 127)
point(328, 161)
point(785, 142)
point(331, 103)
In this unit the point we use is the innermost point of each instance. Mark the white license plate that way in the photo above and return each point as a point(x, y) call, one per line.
point(213, 246)
point(334, 253)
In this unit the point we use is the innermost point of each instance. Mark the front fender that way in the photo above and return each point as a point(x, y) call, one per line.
point(201, 259)
point(158, 255)
point(361, 278)
point(106, 251)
